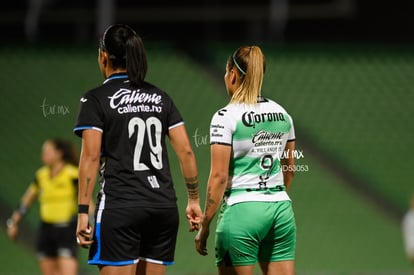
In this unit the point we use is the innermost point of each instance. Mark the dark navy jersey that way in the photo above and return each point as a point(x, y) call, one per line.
point(134, 123)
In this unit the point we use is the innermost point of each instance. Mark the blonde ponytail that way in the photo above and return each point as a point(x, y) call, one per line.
point(251, 64)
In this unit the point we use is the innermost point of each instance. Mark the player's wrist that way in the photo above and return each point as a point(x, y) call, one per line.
point(83, 208)
point(11, 223)
point(193, 200)
point(22, 209)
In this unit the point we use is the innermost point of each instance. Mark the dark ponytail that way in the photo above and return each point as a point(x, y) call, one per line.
point(136, 60)
point(126, 50)
point(68, 149)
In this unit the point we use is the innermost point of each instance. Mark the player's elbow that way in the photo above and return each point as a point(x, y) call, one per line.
point(186, 154)
point(219, 177)
point(90, 157)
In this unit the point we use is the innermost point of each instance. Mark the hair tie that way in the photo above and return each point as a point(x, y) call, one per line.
point(237, 65)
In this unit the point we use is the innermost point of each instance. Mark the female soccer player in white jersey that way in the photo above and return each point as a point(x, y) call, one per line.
point(250, 175)
point(123, 124)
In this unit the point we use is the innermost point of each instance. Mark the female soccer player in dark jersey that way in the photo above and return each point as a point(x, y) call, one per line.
point(123, 124)
point(252, 142)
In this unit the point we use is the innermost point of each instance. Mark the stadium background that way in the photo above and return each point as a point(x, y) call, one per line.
point(343, 68)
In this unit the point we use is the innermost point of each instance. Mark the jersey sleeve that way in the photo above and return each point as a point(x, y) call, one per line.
point(73, 174)
point(221, 130)
point(174, 118)
point(34, 185)
point(291, 136)
point(89, 115)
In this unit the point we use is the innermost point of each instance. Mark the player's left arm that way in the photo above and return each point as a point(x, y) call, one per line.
point(182, 146)
point(288, 164)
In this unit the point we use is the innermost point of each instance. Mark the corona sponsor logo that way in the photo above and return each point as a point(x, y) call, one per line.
point(250, 119)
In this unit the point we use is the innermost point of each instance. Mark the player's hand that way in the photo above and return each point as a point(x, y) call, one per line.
point(201, 240)
point(193, 223)
point(193, 213)
point(84, 231)
point(12, 229)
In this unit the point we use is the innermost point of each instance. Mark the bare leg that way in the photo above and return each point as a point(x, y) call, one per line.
point(48, 266)
point(279, 268)
point(236, 270)
point(146, 268)
point(67, 265)
point(116, 270)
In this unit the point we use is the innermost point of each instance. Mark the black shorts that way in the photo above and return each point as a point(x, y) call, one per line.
point(57, 240)
point(123, 236)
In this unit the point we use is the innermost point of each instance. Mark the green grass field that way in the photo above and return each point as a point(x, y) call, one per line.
point(352, 104)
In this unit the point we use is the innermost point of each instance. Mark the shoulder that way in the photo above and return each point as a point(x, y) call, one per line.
point(277, 107)
point(229, 110)
point(226, 117)
point(42, 171)
point(92, 94)
point(274, 104)
point(71, 170)
point(153, 89)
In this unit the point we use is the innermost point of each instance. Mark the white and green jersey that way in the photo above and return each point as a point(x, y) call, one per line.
point(258, 135)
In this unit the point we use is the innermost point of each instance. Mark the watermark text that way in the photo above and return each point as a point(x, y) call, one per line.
point(200, 139)
point(53, 109)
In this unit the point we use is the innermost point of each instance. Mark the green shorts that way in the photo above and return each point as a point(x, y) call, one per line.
point(249, 232)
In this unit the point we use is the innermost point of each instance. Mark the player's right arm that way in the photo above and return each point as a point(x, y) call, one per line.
point(217, 183)
point(26, 201)
point(88, 170)
point(221, 128)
